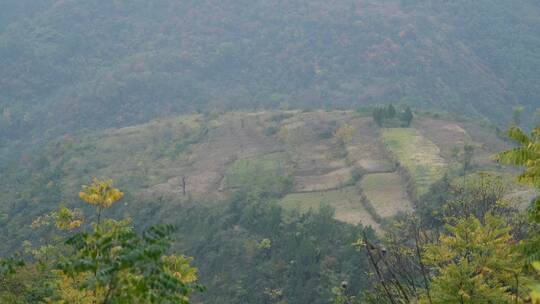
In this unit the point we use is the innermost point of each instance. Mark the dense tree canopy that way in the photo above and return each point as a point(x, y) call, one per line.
point(69, 65)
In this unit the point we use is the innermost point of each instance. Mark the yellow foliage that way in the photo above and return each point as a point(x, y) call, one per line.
point(265, 244)
point(179, 267)
point(535, 292)
point(70, 292)
point(100, 193)
point(63, 219)
point(67, 219)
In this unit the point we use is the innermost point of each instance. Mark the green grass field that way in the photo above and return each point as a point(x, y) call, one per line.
point(245, 171)
point(266, 173)
point(420, 156)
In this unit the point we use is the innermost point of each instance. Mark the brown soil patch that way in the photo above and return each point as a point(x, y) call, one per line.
point(238, 136)
point(387, 193)
point(330, 180)
point(446, 135)
point(365, 149)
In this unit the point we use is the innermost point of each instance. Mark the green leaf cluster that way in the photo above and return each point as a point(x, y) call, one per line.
point(476, 263)
point(124, 267)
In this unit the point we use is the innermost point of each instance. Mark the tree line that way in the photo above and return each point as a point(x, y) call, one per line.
point(388, 116)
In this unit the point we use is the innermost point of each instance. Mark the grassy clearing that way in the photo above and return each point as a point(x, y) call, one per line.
point(135, 157)
point(345, 201)
point(386, 192)
point(420, 156)
point(265, 173)
point(244, 171)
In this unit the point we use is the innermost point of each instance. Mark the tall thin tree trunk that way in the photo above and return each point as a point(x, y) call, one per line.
point(422, 266)
point(379, 275)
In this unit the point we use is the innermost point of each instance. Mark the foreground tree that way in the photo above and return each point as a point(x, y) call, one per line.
point(108, 262)
point(115, 265)
point(470, 254)
point(527, 155)
point(476, 263)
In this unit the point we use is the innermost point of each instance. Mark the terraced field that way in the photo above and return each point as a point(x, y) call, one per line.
point(387, 193)
point(346, 202)
point(417, 154)
point(288, 152)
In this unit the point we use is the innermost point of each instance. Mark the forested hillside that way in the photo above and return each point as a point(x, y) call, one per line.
point(68, 65)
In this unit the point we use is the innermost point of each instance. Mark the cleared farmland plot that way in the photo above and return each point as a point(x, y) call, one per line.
point(346, 202)
point(387, 193)
point(420, 156)
point(220, 154)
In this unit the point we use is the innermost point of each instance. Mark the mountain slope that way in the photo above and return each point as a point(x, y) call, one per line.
point(367, 173)
point(251, 179)
point(95, 64)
